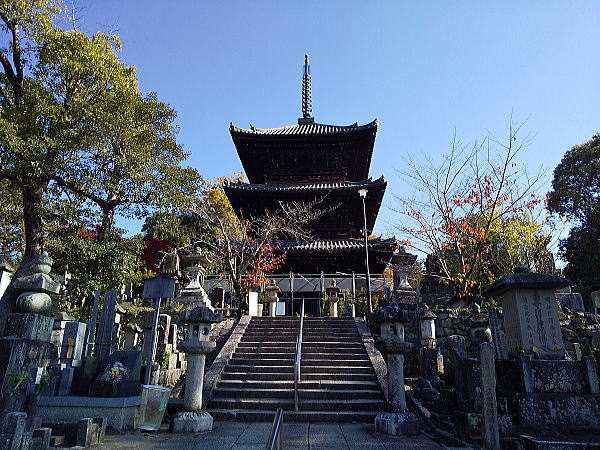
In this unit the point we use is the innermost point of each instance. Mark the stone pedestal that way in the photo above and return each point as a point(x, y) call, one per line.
point(197, 346)
point(193, 422)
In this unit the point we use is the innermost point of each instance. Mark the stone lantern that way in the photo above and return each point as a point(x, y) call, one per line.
point(194, 293)
point(333, 297)
point(198, 322)
point(398, 421)
point(273, 289)
point(402, 265)
point(531, 323)
point(427, 322)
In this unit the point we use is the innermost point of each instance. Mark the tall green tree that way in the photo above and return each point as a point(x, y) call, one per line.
point(72, 116)
point(576, 196)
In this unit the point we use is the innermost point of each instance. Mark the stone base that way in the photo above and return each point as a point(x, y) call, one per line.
point(192, 422)
point(33, 327)
point(120, 413)
point(397, 424)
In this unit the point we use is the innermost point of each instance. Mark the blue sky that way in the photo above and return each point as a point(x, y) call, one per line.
point(422, 68)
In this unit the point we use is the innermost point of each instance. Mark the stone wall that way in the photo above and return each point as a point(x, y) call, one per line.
point(467, 322)
point(580, 327)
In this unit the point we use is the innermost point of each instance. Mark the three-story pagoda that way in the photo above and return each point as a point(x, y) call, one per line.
point(308, 162)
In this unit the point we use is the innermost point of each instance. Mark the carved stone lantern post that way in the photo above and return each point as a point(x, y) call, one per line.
point(333, 297)
point(427, 322)
point(197, 345)
point(398, 421)
point(273, 289)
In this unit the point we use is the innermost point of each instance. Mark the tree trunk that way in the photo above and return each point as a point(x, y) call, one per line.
point(34, 243)
point(105, 231)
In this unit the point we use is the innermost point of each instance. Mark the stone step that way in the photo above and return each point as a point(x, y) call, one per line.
point(259, 349)
point(340, 394)
point(272, 331)
point(247, 377)
point(333, 345)
point(259, 368)
point(336, 370)
point(239, 403)
point(316, 348)
point(264, 354)
point(306, 405)
point(328, 356)
point(293, 416)
point(249, 344)
point(331, 334)
point(304, 384)
point(263, 361)
point(312, 339)
point(252, 393)
point(340, 377)
point(333, 362)
point(303, 393)
point(352, 378)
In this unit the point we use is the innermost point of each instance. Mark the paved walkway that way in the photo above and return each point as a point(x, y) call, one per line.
point(251, 436)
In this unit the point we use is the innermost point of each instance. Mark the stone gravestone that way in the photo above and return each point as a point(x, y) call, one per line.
point(573, 301)
point(497, 335)
point(530, 311)
point(120, 377)
point(73, 341)
point(131, 338)
point(104, 335)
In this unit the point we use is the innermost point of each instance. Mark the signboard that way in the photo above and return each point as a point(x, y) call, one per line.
point(159, 287)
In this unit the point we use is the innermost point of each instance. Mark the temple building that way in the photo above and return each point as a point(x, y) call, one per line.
point(308, 162)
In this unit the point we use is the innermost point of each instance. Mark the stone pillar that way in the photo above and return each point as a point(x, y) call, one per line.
point(399, 421)
point(197, 345)
point(489, 428)
point(273, 289)
point(530, 311)
point(333, 297)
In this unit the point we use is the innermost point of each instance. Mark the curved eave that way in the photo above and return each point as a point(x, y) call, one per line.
point(337, 245)
point(304, 130)
point(309, 187)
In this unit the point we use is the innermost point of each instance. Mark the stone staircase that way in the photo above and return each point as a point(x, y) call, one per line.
point(338, 383)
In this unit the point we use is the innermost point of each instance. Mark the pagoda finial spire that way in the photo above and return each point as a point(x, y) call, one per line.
point(306, 91)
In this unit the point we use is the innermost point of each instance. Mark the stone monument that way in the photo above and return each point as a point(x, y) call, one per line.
point(530, 311)
point(197, 345)
point(26, 347)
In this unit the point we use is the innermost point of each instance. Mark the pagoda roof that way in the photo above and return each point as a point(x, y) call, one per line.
point(304, 129)
point(336, 255)
point(334, 245)
point(344, 210)
point(306, 151)
point(299, 187)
